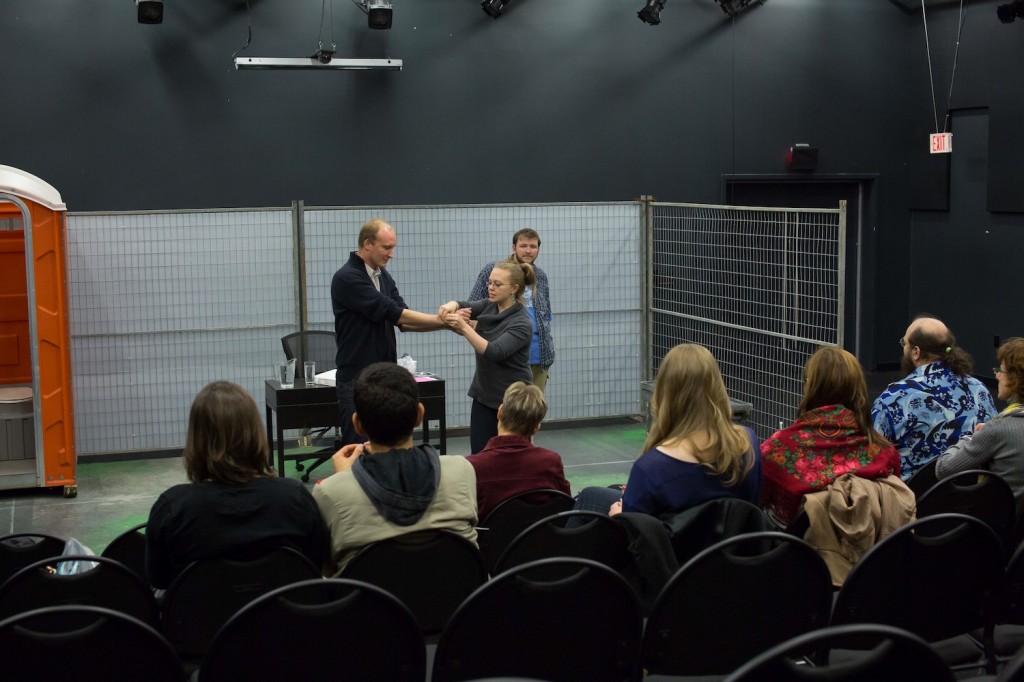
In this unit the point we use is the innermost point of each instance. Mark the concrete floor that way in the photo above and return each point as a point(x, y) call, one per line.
point(114, 496)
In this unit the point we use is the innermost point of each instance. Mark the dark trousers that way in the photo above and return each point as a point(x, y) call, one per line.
point(483, 426)
point(347, 408)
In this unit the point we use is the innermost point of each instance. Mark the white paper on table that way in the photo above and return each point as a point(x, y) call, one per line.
point(327, 378)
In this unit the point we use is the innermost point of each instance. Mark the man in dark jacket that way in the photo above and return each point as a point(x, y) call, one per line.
point(367, 308)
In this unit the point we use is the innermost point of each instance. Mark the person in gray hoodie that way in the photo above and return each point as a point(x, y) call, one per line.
point(388, 486)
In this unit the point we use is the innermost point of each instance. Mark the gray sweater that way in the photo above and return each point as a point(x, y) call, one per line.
point(998, 447)
point(507, 358)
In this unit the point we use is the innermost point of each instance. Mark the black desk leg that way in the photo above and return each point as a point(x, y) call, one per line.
point(270, 436)
point(280, 449)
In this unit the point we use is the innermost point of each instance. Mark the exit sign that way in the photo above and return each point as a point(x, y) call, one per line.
point(941, 143)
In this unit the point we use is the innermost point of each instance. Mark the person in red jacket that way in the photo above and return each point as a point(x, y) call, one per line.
point(510, 463)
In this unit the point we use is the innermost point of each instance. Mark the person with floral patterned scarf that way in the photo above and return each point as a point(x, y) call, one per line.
point(831, 436)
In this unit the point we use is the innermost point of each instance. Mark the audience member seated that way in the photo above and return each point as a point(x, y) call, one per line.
point(831, 436)
point(927, 412)
point(694, 453)
point(234, 503)
point(999, 446)
point(510, 463)
point(388, 486)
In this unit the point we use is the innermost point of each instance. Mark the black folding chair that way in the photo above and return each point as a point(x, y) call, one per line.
point(130, 549)
point(978, 493)
point(431, 572)
point(893, 655)
point(87, 643)
point(513, 516)
point(207, 593)
point(21, 549)
point(599, 539)
point(923, 479)
point(320, 631)
point(559, 620)
point(937, 578)
point(735, 600)
point(107, 584)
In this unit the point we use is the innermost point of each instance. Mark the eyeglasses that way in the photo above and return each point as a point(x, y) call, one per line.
point(903, 342)
point(497, 285)
point(996, 371)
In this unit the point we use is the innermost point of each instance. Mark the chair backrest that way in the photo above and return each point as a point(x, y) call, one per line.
point(431, 572)
point(700, 527)
point(935, 577)
point(84, 643)
point(599, 539)
point(130, 549)
point(108, 584)
point(207, 593)
point(21, 549)
point(318, 346)
point(923, 479)
point(554, 619)
point(319, 630)
point(514, 515)
point(1010, 603)
point(769, 586)
point(892, 655)
point(978, 493)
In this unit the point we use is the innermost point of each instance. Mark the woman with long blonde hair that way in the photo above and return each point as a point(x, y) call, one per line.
point(694, 452)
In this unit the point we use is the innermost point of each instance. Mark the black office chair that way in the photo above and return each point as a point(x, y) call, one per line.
point(599, 539)
point(320, 631)
point(21, 549)
point(893, 655)
point(207, 593)
point(734, 601)
point(978, 493)
point(513, 516)
point(320, 347)
point(431, 572)
point(130, 549)
point(108, 584)
point(556, 619)
point(86, 643)
point(937, 578)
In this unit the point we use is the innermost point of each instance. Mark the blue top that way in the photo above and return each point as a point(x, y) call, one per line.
point(927, 412)
point(659, 484)
point(532, 312)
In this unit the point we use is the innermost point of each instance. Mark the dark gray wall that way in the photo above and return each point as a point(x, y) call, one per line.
point(558, 100)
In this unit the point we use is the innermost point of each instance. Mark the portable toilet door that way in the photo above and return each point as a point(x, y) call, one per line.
point(37, 435)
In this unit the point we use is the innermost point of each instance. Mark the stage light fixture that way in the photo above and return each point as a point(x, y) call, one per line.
point(1009, 12)
point(651, 13)
point(733, 7)
point(378, 13)
point(150, 11)
point(493, 7)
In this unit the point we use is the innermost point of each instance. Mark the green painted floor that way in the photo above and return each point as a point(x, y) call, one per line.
point(114, 496)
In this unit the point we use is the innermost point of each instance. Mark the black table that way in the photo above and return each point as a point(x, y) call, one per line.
point(316, 405)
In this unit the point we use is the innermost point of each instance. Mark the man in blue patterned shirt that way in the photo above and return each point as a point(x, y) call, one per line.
point(937, 402)
point(525, 249)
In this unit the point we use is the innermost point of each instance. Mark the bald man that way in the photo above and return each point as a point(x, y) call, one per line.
point(938, 401)
point(367, 308)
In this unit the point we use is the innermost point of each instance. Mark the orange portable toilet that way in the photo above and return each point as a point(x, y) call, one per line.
point(37, 434)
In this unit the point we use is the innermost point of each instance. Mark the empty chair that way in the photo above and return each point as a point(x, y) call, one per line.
point(86, 643)
point(21, 549)
point(893, 655)
point(599, 539)
point(130, 549)
point(321, 348)
point(513, 516)
point(559, 620)
point(431, 572)
point(108, 584)
point(320, 631)
point(735, 600)
point(207, 593)
point(1009, 612)
point(978, 493)
point(923, 479)
point(935, 577)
